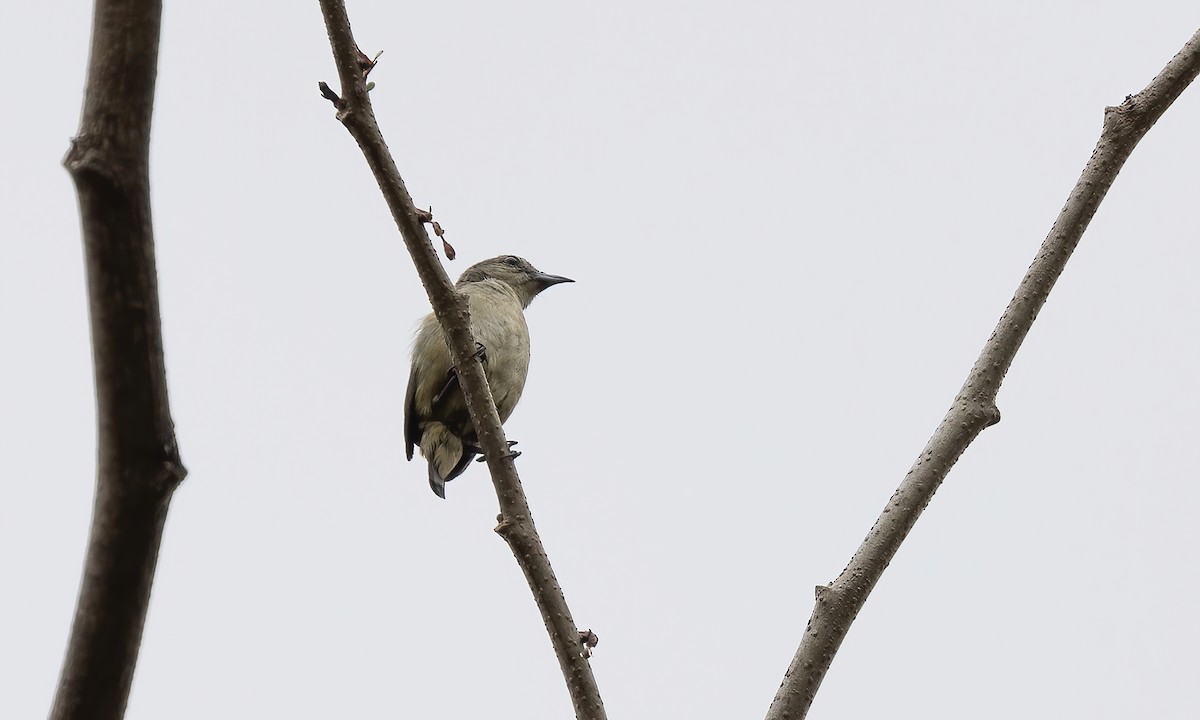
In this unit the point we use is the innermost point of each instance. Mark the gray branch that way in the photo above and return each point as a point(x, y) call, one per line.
point(974, 408)
point(138, 465)
point(515, 521)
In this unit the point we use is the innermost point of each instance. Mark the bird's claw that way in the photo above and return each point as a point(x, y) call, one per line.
point(451, 379)
point(481, 458)
point(452, 373)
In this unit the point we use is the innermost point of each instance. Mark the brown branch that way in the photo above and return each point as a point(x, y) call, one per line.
point(974, 407)
point(515, 521)
point(138, 464)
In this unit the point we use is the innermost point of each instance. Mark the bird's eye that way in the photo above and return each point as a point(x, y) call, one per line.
point(512, 260)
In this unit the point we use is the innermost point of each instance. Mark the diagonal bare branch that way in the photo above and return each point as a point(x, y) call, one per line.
point(515, 522)
point(974, 408)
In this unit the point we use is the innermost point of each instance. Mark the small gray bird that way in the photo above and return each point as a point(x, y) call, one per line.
point(435, 412)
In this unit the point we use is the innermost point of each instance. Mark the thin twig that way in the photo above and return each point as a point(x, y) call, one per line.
point(515, 522)
point(138, 464)
point(974, 408)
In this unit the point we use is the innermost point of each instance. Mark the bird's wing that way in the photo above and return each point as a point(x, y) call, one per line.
point(412, 429)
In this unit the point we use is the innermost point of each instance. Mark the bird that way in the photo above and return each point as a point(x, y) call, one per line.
point(436, 420)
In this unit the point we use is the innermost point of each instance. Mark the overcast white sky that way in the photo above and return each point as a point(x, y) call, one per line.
point(792, 226)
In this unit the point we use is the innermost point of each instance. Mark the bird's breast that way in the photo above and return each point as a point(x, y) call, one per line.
point(498, 322)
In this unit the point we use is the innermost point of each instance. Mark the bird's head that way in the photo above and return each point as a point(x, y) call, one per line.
point(526, 280)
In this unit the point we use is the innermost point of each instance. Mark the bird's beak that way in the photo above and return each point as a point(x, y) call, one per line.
point(545, 280)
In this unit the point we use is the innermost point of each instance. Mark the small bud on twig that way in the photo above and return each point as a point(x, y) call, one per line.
point(367, 64)
point(589, 640)
point(328, 93)
point(426, 216)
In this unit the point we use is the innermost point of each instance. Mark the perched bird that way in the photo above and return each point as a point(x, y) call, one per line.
point(435, 413)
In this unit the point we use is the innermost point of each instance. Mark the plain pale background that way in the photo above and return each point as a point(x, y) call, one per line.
point(792, 227)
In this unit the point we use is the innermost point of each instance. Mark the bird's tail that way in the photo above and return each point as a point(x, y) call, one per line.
point(446, 455)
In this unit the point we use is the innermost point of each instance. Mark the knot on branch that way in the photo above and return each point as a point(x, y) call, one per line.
point(1125, 122)
point(100, 159)
point(988, 412)
point(515, 530)
point(971, 411)
point(172, 474)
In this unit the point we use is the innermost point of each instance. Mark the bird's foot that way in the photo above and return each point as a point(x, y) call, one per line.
point(481, 458)
point(452, 373)
point(451, 381)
